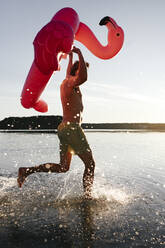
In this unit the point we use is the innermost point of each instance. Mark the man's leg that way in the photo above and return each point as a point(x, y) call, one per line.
point(63, 166)
point(88, 176)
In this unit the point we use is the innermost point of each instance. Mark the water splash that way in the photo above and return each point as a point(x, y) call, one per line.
point(7, 184)
point(113, 194)
point(110, 193)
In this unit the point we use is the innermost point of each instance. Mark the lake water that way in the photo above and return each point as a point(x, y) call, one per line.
point(128, 206)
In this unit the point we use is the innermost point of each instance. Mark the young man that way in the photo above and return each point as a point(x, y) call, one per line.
point(71, 136)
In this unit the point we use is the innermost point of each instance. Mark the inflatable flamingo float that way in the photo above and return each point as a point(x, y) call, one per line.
point(57, 37)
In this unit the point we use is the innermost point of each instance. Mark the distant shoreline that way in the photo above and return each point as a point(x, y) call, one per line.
point(51, 131)
point(49, 124)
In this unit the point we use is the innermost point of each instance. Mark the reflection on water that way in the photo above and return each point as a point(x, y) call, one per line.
point(128, 205)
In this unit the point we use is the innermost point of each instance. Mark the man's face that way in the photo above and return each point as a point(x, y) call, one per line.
point(76, 72)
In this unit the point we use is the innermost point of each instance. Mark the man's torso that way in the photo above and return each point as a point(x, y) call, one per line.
point(71, 99)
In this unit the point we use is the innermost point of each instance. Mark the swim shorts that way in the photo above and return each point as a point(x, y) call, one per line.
point(72, 138)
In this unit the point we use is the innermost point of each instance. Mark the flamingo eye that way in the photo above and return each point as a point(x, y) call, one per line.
point(117, 34)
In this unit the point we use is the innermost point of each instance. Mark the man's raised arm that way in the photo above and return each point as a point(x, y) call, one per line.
point(81, 75)
point(69, 64)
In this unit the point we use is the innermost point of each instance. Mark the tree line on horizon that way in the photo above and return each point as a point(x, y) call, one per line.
point(51, 122)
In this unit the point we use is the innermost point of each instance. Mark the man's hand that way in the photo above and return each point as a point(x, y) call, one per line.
point(76, 50)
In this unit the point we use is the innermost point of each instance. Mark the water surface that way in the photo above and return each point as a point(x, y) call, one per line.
point(128, 206)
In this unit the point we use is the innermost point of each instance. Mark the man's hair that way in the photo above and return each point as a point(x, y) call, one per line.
point(75, 67)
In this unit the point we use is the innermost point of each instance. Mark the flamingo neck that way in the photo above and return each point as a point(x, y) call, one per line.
point(87, 38)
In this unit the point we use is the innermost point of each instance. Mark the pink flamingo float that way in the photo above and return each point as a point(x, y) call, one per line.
point(57, 37)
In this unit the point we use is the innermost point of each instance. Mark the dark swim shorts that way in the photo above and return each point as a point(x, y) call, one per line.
point(72, 138)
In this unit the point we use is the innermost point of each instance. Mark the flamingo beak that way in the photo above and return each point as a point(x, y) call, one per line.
point(107, 19)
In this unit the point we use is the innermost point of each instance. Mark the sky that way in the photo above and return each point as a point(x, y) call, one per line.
point(127, 88)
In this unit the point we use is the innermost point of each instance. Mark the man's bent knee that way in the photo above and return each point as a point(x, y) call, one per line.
point(64, 169)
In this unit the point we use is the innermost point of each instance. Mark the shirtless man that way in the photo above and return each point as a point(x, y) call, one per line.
point(71, 136)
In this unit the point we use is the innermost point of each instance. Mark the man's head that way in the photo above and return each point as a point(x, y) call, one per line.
point(75, 67)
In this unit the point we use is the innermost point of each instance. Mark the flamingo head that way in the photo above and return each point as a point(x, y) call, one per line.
point(112, 25)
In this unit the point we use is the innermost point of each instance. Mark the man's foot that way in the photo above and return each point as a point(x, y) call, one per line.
point(22, 174)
